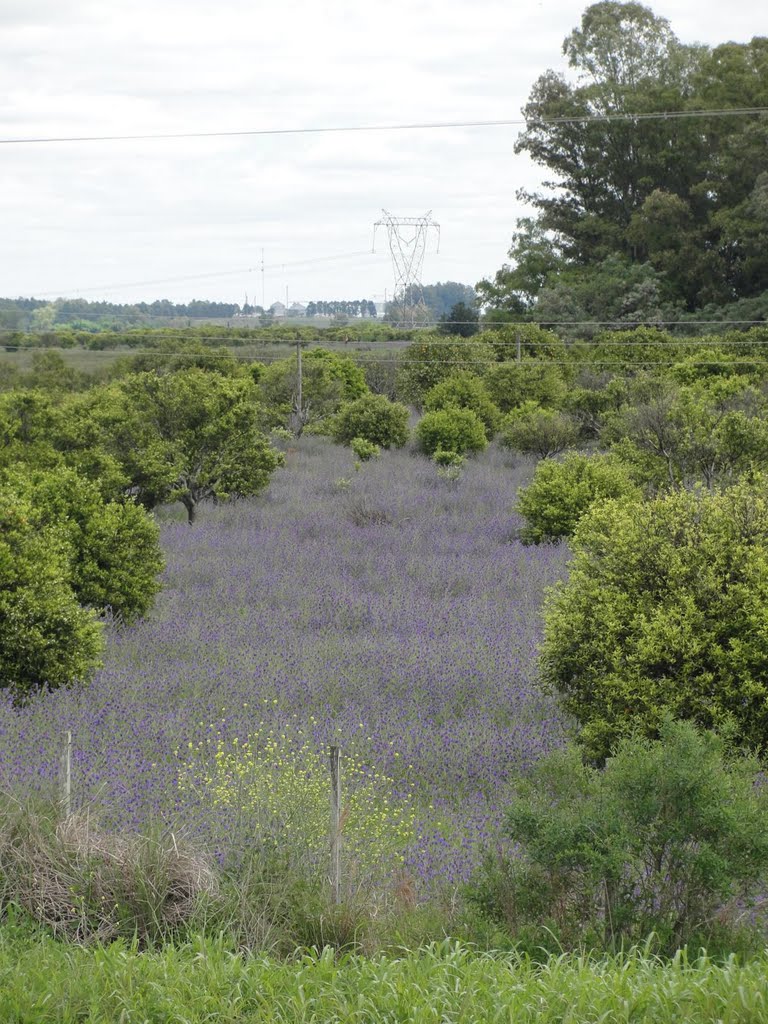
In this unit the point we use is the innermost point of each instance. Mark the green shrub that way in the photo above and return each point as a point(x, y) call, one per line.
point(561, 492)
point(453, 430)
point(664, 612)
point(431, 358)
point(535, 431)
point(450, 460)
point(373, 418)
point(46, 637)
point(464, 390)
point(510, 385)
point(114, 547)
point(364, 450)
point(663, 841)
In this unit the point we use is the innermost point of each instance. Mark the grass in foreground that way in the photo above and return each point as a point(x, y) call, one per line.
point(42, 980)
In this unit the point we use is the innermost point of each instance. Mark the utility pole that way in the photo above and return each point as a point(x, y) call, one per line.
point(299, 397)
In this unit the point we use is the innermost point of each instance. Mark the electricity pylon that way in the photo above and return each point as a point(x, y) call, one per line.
point(407, 244)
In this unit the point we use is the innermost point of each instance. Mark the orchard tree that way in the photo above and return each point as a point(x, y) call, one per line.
point(191, 436)
point(465, 390)
point(375, 419)
point(46, 636)
point(531, 430)
point(561, 492)
point(113, 547)
point(328, 380)
point(431, 358)
point(451, 430)
point(664, 613)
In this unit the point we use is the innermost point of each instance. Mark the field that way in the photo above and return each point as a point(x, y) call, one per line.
point(386, 610)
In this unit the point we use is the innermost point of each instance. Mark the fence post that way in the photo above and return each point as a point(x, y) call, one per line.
point(335, 824)
point(66, 776)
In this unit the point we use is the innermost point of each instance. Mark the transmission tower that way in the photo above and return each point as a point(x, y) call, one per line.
point(407, 245)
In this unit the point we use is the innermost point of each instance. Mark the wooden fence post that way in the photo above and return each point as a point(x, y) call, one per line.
point(335, 824)
point(66, 777)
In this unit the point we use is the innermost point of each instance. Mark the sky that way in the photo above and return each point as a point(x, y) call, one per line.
point(273, 217)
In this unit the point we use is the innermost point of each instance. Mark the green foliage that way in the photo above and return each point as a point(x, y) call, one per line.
point(661, 841)
point(453, 430)
point(712, 431)
point(200, 981)
point(664, 612)
point(374, 418)
point(529, 341)
point(448, 459)
point(328, 380)
point(561, 492)
point(113, 547)
point(512, 384)
point(535, 431)
point(364, 450)
point(189, 436)
point(46, 637)
point(643, 235)
point(462, 321)
point(431, 358)
point(464, 390)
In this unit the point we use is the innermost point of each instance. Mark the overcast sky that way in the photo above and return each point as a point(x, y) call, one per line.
point(183, 219)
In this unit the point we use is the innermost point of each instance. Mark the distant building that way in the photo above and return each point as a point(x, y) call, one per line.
point(277, 309)
point(296, 309)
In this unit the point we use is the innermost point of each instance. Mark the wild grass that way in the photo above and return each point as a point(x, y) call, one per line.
point(42, 981)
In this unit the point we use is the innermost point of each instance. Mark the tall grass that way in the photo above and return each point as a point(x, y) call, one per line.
point(41, 981)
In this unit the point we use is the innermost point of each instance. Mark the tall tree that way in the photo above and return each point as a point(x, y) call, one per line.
point(684, 197)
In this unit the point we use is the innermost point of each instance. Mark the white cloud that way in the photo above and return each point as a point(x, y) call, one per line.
point(78, 215)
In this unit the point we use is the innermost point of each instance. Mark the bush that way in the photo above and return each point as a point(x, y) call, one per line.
point(453, 430)
point(46, 637)
point(663, 841)
point(536, 431)
point(464, 391)
point(448, 460)
point(364, 450)
point(561, 492)
point(374, 418)
point(431, 358)
point(114, 547)
point(510, 385)
point(664, 612)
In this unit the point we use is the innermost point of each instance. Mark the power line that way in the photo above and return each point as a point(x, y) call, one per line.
point(666, 115)
point(375, 359)
point(272, 267)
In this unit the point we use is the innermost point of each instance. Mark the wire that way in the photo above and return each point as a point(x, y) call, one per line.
point(376, 359)
point(417, 126)
point(216, 273)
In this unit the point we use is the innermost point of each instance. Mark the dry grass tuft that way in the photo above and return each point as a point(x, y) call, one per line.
point(86, 884)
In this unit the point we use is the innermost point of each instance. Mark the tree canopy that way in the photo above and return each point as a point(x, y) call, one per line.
point(641, 218)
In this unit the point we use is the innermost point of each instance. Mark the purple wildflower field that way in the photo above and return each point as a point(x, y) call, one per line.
point(386, 609)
